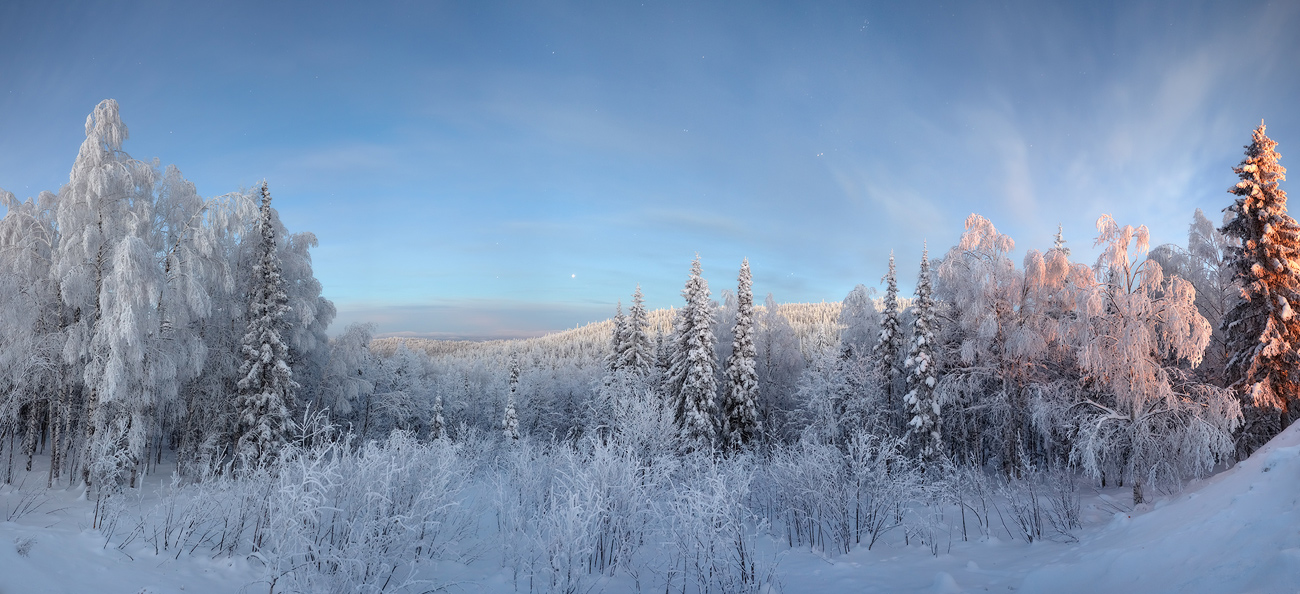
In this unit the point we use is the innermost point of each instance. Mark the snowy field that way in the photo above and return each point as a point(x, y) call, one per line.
point(1238, 531)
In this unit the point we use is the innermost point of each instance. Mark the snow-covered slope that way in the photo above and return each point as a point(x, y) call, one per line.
point(1238, 531)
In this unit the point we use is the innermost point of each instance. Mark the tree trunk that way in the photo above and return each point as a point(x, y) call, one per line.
point(54, 441)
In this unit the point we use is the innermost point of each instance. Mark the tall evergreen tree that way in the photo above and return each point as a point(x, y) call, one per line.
point(636, 355)
point(890, 345)
point(1058, 240)
point(510, 422)
point(437, 426)
point(922, 405)
point(740, 411)
point(692, 380)
point(266, 388)
point(617, 339)
point(1263, 330)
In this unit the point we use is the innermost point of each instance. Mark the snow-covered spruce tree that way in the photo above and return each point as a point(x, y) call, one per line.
point(889, 346)
point(266, 388)
point(740, 412)
point(615, 385)
point(637, 356)
point(617, 339)
point(437, 425)
point(922, 406)
point(1145, 421)
point(510, 422)
point(692, 380)
point(1263, 330)
point(1058, 240)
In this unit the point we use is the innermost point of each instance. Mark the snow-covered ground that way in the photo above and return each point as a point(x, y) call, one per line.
point(1238, 531)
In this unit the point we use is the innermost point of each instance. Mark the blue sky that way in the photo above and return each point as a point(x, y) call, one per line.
point(494, 169)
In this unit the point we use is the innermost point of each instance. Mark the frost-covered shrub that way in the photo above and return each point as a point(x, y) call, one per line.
point(569, 513)
point(366, 520)
point(712, 531)
point(330, 517)
point(833, 499)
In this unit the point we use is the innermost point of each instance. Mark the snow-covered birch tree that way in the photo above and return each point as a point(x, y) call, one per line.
point(778, 366)
point(1147, 423)
point(107, 199)
point(860, 324)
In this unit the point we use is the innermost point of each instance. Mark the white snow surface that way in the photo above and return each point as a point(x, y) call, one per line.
point(1238, 531)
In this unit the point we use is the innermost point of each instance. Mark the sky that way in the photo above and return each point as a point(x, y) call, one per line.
point(494, 169)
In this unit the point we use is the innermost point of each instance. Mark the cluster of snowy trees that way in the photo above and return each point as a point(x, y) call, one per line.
point(1142, 369)
point(137, 316)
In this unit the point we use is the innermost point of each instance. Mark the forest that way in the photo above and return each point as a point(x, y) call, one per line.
point(148, 331)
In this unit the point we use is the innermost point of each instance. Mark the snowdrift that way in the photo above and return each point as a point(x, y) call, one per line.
point(1238, 531)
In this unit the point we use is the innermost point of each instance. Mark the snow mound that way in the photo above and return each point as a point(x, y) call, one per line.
point(1237, 532)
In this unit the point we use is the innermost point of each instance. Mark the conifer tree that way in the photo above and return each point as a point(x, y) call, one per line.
point(635, 355)
point(890, 345)
point(1058, 241)
point(1263, 330)
point(266, 388)
point(740, 411)
point(922, 405)
point(617, 340)
point(664, 342)
point(692, 380)
point(438, 430)
point(510, 423)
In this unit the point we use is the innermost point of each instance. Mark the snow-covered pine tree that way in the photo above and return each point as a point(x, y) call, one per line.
point(510, 422)
point(1263, 330)
point(692, 382)
point(890, 345)
point(922, 406)
point(1058, 241)
point(740, 412)
point(437, 426)
point(636, 356)
point(617, 340)
point(266, 388)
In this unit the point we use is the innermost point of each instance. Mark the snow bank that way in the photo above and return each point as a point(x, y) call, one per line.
point(1236, 532)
